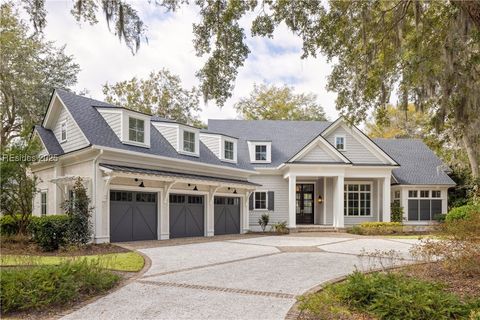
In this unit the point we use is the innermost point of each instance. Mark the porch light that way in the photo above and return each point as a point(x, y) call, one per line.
point(141, 185)
point(320, 199)
point(195, 188)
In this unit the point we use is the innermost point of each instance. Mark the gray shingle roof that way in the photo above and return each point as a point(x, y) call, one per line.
point(175, 174)
point(287, 137)
point(418, 164)
point(98, 132)
point(49, 140)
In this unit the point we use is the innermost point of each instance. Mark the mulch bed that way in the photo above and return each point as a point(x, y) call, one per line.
point(24, 247)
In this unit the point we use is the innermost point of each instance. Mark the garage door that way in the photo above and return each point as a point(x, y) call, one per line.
point(133, 216)
point(186, 216)
point(227, 215)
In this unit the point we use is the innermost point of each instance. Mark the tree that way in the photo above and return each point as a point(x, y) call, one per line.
point(30, 67)
point(279, 103)
point(80, 212)
point(18, 187)
point(160, 94)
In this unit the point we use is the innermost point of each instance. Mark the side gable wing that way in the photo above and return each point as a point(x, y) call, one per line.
point(319, 150)
point(358, 147)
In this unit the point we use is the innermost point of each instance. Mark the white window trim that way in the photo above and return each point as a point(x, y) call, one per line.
point(430, 191)
point(63, 123)
point(180, 141)
point(252, 146)
point(346, 183)
point(222, 149)
point(344, 142)
point(125, 116)
point(254, 200)
point(128, 129)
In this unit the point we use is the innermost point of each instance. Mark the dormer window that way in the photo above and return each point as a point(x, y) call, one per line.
point(229, 150)
point(189, 141)
point(340, 142)
point(261, 152)
point(63, 131)
point(136, 130)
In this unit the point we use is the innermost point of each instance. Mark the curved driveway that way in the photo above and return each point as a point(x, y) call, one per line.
point(243, 278)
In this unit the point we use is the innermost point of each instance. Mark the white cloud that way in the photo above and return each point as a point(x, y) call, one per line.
point(104, 59)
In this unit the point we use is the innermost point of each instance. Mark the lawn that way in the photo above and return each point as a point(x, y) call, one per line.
point(125, 261)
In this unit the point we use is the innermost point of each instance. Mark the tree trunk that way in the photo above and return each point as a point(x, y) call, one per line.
point(472, 157)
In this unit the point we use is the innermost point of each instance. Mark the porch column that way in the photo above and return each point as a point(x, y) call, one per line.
point(292, 201)
point(245, 225)
point(165, 214)
point(386, 199)
point(210, 212)
point(338, 214)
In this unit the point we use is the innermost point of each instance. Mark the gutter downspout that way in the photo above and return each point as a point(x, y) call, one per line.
point(94, 192)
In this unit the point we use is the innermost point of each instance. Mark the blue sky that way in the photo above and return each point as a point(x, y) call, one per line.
point(103, 58)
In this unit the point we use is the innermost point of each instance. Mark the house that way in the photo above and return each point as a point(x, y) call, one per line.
point(153, 178)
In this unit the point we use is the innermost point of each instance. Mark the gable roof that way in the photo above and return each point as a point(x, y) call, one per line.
point(418, 164)
point(49, 141)
point(98, 132)
point(287, 137)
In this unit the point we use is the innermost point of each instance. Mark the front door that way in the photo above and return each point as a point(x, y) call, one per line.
point(305, 200)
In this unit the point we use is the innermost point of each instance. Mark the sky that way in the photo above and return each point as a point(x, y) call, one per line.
point(103, 58)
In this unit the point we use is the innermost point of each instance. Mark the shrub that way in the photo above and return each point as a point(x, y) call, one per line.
point(396, 212)
point(280, 227)
point(440, 217)
point(50, 232)
point(41, 287)
point(463, 212)
point(379, 228)
point(79, 210)
point(8, 226)
point(263, 221)
point(356, 230)
point(392, 296)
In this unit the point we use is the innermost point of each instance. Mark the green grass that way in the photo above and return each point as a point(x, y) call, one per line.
point(47, 286)
point(387, 296)
point(126, 261)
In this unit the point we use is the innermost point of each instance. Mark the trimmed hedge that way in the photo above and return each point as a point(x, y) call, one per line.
point(463, 212)
point(377, 228)
point(50, 232)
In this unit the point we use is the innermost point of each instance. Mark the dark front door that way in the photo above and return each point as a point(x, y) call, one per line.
point(305, 203)
point(133, 216)
point(227, 215)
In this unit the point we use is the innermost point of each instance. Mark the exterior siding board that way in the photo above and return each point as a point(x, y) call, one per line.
point(318, 155)
point(279, 186)
point(114, 120)
point(212, 143)
point(169, 133)
point(75, 138)
point(355, 150)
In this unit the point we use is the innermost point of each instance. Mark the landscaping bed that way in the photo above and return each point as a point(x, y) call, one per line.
point(415, 292)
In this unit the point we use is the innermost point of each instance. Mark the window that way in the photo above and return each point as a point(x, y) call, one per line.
point(260, 202)
point(340, 142)
point(136, 130)
point(357, 199)
point(228, 154)
point(396, 195)
point(260, 152)
point(121, 196)
point(436, 194)
point(43, 203)
point(424, 193)
point(412, 193)
point(63, 131)
point(188, 141)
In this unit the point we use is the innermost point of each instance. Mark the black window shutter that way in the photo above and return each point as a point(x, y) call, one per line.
point(250, 201)
point(271, 200)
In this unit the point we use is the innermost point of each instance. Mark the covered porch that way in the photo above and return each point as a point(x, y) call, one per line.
point(337, 196)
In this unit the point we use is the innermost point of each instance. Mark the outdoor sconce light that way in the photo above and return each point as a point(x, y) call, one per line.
point(141, 185)
point(235, 191)
point(320, 199)
point(195, 188)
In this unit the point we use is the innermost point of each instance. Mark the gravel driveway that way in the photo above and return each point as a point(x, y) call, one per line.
point(242, 278)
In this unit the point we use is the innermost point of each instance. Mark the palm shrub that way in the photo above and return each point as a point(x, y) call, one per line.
point(263, 221)
point(79, 210)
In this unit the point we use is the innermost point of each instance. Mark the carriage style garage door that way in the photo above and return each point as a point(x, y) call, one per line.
point(133, 216)
point(227, 215)
point(186, 216)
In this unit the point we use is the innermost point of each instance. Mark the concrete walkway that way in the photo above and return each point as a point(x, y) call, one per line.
point(240, 278)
